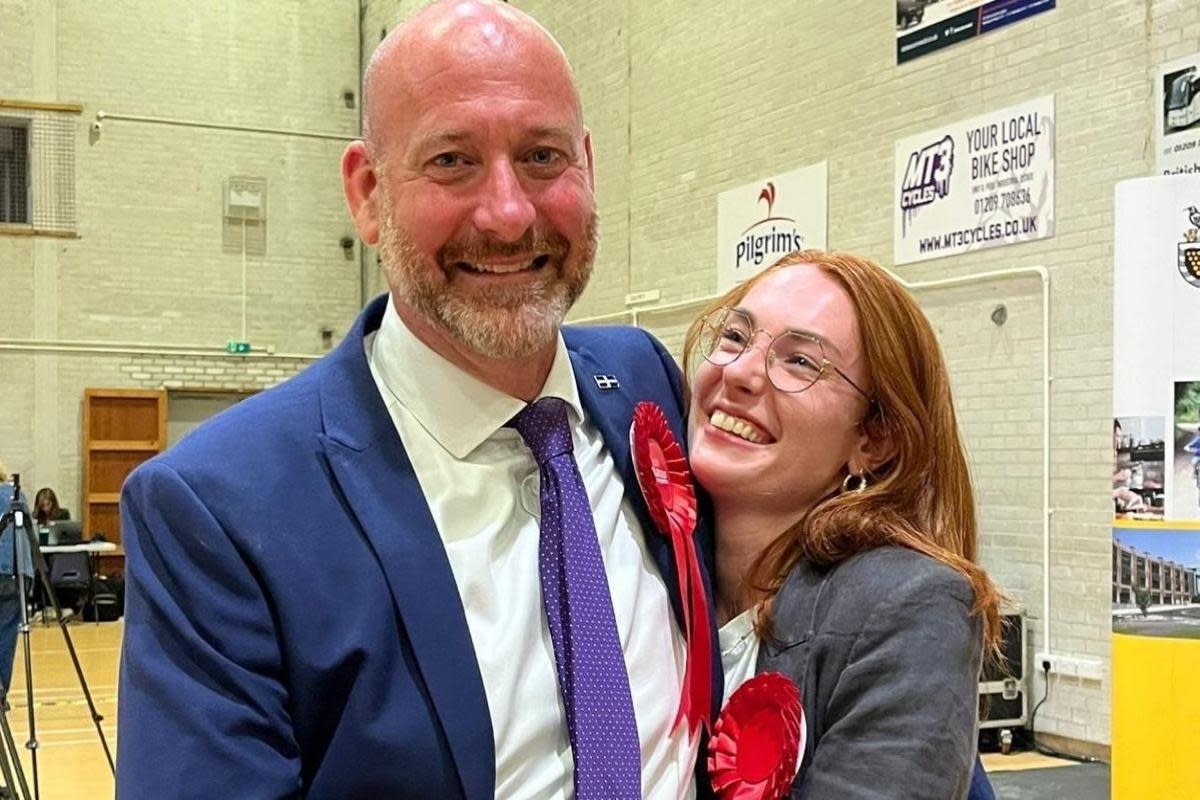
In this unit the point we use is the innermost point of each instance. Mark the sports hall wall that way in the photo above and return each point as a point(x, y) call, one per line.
point(687, 101)
point(148, 267)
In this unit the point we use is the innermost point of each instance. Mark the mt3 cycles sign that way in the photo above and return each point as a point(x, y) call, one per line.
point(982, 182)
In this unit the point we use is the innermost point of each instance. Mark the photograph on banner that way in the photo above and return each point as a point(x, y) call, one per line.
point(1185, 499)
point(923, 26)
point(1139, 467)
point(1177, 115)
point(1156, 350)
point(983, 182)
point(1154, 589)
point(760, 222)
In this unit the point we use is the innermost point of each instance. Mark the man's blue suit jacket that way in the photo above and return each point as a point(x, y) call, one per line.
point(293, 627)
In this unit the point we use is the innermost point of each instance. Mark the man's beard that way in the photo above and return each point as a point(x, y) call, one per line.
point(508, 321)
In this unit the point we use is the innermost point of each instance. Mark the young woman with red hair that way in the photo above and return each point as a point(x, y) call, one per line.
point(823, 429)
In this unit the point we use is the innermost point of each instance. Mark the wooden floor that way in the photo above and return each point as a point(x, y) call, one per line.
point(995, 762)
point(71, 762)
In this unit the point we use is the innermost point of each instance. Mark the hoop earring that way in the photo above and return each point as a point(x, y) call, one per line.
point(856, 484)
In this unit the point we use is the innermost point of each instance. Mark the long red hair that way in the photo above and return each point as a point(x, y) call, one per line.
point(921, 498)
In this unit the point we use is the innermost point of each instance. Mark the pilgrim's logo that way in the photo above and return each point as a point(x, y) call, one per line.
point(755, 245)
point(1189, 249)
point(768, 194)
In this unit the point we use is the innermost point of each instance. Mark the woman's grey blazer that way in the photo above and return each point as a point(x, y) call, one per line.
point(887, 656)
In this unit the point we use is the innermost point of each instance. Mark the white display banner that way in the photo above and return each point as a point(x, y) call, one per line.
point(982, 182)
point(1156, 348)
point(1177, 116)
point(760, 222)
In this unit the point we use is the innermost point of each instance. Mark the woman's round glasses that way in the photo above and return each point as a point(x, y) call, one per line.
point(795, 361)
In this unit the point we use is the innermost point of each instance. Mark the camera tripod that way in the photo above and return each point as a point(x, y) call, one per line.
point(10, 762)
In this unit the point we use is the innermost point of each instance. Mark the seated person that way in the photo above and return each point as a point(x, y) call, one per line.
point(46, 508)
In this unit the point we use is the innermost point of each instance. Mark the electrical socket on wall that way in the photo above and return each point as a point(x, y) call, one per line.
point(1088, 669)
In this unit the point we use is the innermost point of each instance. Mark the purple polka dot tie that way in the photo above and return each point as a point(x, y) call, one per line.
point(587, 650)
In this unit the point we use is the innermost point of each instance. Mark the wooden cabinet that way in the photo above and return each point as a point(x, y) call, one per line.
point(121, 429)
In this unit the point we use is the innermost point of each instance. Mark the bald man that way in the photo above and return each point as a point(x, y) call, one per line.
point(458, 592)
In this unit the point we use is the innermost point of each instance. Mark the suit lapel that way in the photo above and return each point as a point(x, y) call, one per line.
point(381, 491)
point(611, 410)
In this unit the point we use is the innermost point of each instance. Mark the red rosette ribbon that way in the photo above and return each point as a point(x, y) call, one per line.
point(666, 484)
point(755, 747)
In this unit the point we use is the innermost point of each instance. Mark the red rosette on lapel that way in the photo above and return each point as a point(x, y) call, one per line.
point(753, 753)
point(666, 484)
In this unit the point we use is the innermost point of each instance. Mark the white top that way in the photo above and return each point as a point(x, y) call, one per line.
point(481, 483)
point(739, 650)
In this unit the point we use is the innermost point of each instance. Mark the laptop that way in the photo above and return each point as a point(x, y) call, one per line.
point(66, 531)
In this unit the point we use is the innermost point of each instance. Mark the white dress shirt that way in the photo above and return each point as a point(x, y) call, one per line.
point(482, 486)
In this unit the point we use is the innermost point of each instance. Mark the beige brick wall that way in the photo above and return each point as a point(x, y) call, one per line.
point(154, 193)
point(214, 373)
point(16, 56)
point(148, 266)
